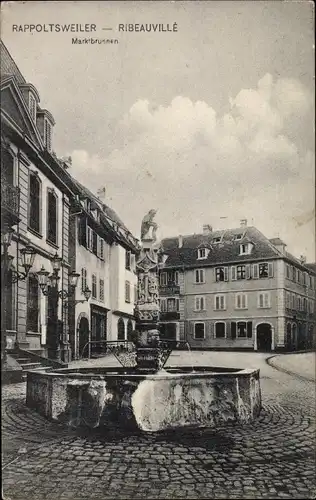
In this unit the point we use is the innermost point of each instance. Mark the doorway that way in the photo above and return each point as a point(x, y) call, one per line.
point(264, 337)
point(83, 333)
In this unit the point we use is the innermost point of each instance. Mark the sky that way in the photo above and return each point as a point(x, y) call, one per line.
point(208, 124)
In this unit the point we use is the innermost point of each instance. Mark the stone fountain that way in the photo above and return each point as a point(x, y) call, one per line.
point(143, 393)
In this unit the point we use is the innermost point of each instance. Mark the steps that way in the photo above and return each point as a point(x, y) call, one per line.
point(27, 365)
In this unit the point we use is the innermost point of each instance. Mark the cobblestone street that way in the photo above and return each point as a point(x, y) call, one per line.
point(272, 458)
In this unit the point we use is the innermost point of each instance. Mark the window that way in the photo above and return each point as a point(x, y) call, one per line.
point(298, 276)
point(101, 285)
point(202, 253)
point(32, 106)
point(264, 300)
point(163, 305)
point(83, 279)
point(176, 277)
point(34, 202)
point(220, 302)
point(127, 260)
point(221, 273)
point(220, 330)
point(245, 249)
point(199, 330)
point(237, 237)
point(241, 272)
point(127, 291)
point(163, 279)
point(287, 300)
point(263, 270)
point(94, 286)
point(305, 305)
point(199, 276)
point(298, 303)
point(216, 240)
point(89, 238)
point(32, 304)
point(288, 271)
point(52, 207)
point(47, 135)
point(304, 278)
point(82, 231)
point(199, 304)
point(172, 305)
point(311, 282)
point(241, 329)
point(241, 301)
point(293, 273)
point(293, 301)
point(120, 329)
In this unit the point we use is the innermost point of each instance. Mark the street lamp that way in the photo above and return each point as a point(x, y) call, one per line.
point(49, 286)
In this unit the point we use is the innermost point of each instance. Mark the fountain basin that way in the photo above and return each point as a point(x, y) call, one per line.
point(175, 397)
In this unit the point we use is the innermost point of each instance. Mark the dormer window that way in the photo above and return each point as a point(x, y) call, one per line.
point(202, 253)
point(237, 237)
point(32, 106)
point(217, 240)
point(47, 135)
point(245, 249)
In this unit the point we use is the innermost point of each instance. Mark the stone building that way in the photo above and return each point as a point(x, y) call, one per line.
point(102, 251)
point(54, 214)
point(236, 289)
point(44, 190)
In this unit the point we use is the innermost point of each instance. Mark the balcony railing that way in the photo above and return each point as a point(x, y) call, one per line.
point(169, 315)
point(170, 289)
point(10, 196)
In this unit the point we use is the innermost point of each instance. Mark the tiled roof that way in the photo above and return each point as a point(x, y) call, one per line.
point(227, 250)
point(111, 219)
point(8, 66)
point(311, 266)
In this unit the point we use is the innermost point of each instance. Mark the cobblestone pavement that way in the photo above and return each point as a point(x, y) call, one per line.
point(272, 458)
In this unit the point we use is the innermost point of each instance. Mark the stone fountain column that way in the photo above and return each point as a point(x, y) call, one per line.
point(150, 259)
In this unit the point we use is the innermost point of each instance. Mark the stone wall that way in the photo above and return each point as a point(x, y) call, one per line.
point(167, 400)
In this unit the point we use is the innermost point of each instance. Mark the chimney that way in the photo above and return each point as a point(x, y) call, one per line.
point(207, 229)
point(180, 240)
point(243, 222)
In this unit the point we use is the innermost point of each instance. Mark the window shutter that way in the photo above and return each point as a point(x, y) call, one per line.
point(225, 274)
point(233, 329)
point(270, 272)
point(249, 329)
point(82, 232)
point(233, 271)
point(255, 271)
point(248, 271)
point(177, 304)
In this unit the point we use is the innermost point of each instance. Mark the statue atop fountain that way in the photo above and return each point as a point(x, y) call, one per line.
point(150, 260)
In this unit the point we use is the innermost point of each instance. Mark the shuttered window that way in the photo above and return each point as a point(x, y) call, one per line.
point(241, 301)
point(199, 303)
point(199, 330)
point(94, 286)
point(220, 329)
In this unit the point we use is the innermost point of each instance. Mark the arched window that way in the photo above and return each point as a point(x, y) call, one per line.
point(129, 329)
point(34, 202)
point(52, 208)
point(120, 329)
